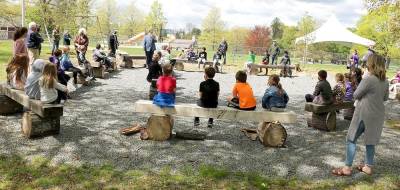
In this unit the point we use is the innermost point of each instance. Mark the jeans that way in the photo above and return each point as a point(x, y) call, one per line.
point(309, 97)
point(149, 57)
point(351, 148)
point(56, 45)
point(274, 60)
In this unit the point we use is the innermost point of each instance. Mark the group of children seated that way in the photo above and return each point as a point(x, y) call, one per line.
point(346, 85)
point(164, 83)
point(45, 80)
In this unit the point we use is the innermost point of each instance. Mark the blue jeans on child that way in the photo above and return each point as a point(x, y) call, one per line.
point(351, 148)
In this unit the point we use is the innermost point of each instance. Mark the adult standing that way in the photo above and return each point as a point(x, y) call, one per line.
point(67, 38)
point(223, 48)
point(370, 51)
point(113, 43)
point(56, 39)
point(354, 60)
point(368, 117)
point(81, 44)
point(275, 53)
point(33, 42)
point(19, 47)
point(149, 46)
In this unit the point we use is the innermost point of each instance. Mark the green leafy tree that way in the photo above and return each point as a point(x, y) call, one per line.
point(277, 28)
point(155, 20)
point(213, 27)
point(9, 12)
point(132, 21)
point(289, 35)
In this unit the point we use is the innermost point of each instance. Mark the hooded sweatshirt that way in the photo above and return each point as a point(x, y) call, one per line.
point(32, 88)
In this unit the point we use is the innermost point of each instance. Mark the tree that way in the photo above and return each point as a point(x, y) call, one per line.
point(155, 20)
point(277, 28)
point(289, 35)
point(212, 26)
point(9, 12)
point(108, 15)
point(306, 25)
point(259, 38)
point(132, 21)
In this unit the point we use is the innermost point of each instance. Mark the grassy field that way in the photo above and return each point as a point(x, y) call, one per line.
point(17, 173)
point(234, 62)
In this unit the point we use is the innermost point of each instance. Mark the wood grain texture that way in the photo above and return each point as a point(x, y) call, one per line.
point(43, 110)
point(317, 108)
point(222, 112)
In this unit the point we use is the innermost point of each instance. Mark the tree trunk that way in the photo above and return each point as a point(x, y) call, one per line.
point(323, 121)
point(179, 66)
point(272, 134)
point(35, 126)
point(159, 127)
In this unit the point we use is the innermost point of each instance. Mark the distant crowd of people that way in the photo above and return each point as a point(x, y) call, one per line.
point(46, 80)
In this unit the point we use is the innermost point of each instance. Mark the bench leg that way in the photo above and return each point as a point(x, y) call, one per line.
point(179, 66)
point(324, 121)
point(159, 127)
point(9, 106)
point(35, 126)
point(99, 72)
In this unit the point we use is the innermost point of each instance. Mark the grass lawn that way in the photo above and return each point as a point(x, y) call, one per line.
point(234, 62)
point(17, 173)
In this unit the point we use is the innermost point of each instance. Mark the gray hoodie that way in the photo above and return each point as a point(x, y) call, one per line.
point(32, 88)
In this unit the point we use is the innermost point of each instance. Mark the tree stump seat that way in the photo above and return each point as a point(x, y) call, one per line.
point(222, 112)
point(40, 120)
point(323, 117)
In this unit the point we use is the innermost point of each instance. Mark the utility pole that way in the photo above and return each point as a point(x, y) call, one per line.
point(22, 13)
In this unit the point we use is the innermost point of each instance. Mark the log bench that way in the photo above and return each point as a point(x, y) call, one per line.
point(99, 70)
point(160, 123)
point(180, 64)
point(254, 70)
point(128, 61)
point(40, 120)
point(323, 117)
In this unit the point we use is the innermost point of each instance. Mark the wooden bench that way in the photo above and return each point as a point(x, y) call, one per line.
point(128, 61)
point(324, 116)
point(161, 118)
point(41, 120)
point(394, 91)
point(180, 64)
point(99, 70)
point(256, 67)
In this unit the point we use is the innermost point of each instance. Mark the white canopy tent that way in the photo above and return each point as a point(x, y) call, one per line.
point(333, 31)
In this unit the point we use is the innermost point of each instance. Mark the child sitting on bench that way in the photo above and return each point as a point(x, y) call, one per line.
point(61, 76)
point(251, 59)
point(209, 92)
point(66, 65)
point(49, 86)
point(323, 91)
point(166, 87)
point(339, 90)
point(274, 96)
point(101, 57)
point(17, 71)
point(202, 57)
point(242, 92)
point(350, 87)
point(155, 71)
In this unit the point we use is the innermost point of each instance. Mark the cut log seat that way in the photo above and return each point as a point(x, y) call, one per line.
point(323, 117)
point(222, 112)
point(317, 108)
point(128, 61)
point(274, 137)
point(42, 119)
point(99, 71)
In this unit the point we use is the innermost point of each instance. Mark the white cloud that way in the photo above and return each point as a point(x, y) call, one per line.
point(248, 13)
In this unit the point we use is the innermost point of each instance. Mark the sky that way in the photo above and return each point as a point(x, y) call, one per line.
point(247, 13)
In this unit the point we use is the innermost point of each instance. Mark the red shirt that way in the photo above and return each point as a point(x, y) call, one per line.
point(166, 84)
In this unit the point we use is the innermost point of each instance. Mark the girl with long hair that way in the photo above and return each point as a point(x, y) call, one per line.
point(17, 71)
point(49, 85)
point(275, 95)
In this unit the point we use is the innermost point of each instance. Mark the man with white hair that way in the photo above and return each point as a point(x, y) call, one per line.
point(33, 42)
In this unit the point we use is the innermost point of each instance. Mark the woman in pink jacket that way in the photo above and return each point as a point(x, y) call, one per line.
point(19, 42)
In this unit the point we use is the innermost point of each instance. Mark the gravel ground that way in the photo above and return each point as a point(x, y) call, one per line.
point(92, 119)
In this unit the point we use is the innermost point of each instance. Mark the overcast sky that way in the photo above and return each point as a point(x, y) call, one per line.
point(248, 13)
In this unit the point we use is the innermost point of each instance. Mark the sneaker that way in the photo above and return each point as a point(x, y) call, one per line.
point(210, 125)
